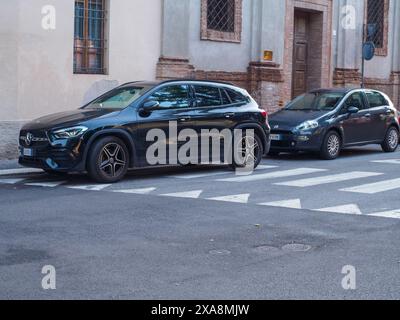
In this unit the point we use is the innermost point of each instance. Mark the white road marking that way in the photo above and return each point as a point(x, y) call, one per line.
point(273, 175)
point(237, 198)
point(346, 209)
point(47, 184)
point(20, 171)
point(376, 187)
point(392, 161)
point(94, 187)
point(394, 214)
point(291, 204)
point(10, 181)
point(329, 179)
point(217, 173)
point(189, 194)
point(200, 175)
point(136, 191)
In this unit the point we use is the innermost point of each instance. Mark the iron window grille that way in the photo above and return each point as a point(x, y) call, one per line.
point(376, 16)
point(89, 37)
point(221, 20)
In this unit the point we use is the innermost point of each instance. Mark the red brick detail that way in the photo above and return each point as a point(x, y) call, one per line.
point(174, 68)
point(346, 77)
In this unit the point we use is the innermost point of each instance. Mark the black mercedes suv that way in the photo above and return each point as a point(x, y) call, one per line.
point(115, 132)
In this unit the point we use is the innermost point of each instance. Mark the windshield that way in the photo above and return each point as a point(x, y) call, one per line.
point(119, 98)
point(316, 101)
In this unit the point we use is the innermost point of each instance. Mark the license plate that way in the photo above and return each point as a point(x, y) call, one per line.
point(276, 137)
point(27, 152)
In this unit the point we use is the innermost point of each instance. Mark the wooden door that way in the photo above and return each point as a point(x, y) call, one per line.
point(300, 54)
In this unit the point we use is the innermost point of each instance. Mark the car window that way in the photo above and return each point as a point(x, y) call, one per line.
point(236, 97)
point(375, 99)
point(172, 97)
point(225, 98)
point(207, 96)
point(355, 100)
point(316, 101)
point(118, 98)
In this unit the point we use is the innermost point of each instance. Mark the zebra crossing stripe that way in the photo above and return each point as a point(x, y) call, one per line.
point(136, 191)
point(47, 184)
point(329, 179)
point(392, 161)
point(189, 194)
point(237, 198)
point(394, 214)
point(10, 181)
point(377, 187)
point(96, 187)
point(345, 209)
point(273, 175)
point(291, 204)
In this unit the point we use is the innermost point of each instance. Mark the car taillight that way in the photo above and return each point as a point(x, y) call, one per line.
point(264, 115)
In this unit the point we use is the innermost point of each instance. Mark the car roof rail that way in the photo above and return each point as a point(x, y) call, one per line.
point(197, 80)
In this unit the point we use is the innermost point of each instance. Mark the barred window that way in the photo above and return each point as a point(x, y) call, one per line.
point(89, 36)
point(221, 15)
point(221, 20)
point(377, 17)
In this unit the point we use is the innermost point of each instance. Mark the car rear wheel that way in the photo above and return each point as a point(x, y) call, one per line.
point(108, 160)
point(331, 146)
point(391, 141)
point(248, 151)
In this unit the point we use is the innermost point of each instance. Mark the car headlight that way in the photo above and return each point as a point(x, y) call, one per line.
point(68, 133)
point(308, 125)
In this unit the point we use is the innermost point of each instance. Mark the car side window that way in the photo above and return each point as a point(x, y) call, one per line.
point(375, 100)
point(176, 96)
point(207, 96)
point(355, 100)
point(225, 98)
point(237, 97)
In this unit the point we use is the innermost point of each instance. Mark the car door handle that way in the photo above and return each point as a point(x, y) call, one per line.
point(229, 115)
point(388, 112)
point(368, 115)
point(184, 119)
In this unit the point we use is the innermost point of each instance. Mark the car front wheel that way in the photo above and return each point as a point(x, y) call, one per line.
point(108, 160)
point(331, 146)
point(391, 141)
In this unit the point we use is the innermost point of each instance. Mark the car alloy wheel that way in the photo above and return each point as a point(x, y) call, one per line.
point(113, 160)
point(249, 151)
point(393, 139)
point(333, 145)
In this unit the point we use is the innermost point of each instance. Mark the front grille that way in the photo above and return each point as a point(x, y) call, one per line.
point(281, 144)
point(37, 138)
point(286, 132)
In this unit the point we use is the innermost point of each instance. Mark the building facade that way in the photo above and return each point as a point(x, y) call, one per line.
point(57, 54)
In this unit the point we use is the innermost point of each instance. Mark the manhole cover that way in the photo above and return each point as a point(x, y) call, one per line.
point(266, 249)
point(297, 247)
point(220, 252)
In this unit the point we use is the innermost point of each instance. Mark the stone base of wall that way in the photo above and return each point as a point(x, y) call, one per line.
point(264, 81)
point(9, 133)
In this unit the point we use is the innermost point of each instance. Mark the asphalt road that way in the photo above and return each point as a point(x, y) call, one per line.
point(206, 233)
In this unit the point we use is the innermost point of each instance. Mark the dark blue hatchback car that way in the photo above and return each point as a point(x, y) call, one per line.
point(328, 120)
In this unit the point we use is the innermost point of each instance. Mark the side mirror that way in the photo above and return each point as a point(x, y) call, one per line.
point(150, 105)
point(352, 110)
